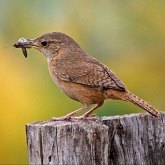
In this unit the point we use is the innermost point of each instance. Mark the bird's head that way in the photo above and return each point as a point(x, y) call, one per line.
point(49, 44)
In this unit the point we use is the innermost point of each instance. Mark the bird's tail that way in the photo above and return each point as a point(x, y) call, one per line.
point(128, 96)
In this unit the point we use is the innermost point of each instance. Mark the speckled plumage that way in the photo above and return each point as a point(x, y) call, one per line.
point(85, 70)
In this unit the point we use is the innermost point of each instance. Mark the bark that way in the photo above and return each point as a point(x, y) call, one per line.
point(118, 140)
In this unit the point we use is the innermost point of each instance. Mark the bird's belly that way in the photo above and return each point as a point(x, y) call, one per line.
point(84, 94)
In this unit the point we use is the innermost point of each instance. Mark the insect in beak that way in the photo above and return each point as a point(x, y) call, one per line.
point(24, 43)
point(24, 51)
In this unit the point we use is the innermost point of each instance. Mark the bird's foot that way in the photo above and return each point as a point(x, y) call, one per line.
point(79, 118)
point(63, 118)
point(86, 118)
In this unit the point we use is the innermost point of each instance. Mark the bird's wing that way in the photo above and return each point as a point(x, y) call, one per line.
point(88, 71)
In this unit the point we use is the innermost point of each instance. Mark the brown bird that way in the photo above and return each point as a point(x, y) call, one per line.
point(80, 76)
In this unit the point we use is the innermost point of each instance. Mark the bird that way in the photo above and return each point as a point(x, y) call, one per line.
point(79, 75)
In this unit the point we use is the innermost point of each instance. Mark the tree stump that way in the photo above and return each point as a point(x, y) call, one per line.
point(137, 139)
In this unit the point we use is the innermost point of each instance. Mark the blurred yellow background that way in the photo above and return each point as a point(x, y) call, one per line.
point(128, 36)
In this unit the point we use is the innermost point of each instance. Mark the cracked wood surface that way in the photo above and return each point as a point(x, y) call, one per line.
point(116, 140)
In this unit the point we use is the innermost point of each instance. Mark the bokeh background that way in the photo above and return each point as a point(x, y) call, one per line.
point(128, 36)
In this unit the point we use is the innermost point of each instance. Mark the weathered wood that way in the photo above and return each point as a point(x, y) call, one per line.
point(137, 139)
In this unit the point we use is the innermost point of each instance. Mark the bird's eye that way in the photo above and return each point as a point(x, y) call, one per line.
point(44, 43)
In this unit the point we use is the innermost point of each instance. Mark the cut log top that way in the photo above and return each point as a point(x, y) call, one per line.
point(117, 140)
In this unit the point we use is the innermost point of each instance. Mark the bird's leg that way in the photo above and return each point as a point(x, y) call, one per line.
point(70, 115)
point(88, 113)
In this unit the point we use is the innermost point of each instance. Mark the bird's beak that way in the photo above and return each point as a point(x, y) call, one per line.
point(24, 43)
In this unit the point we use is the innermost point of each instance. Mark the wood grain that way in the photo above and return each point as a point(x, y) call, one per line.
point(118, 140)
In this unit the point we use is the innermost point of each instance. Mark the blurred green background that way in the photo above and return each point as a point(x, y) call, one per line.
point(128, 36)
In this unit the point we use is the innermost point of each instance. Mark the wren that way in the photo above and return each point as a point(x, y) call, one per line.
point(80, 76)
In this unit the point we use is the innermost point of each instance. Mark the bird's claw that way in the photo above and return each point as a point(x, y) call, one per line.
point(63, 118)
point(79, 118)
